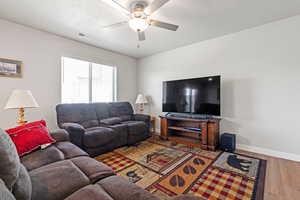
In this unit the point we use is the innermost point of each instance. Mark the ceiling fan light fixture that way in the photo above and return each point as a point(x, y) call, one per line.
point(138, 24)
point(140, 12)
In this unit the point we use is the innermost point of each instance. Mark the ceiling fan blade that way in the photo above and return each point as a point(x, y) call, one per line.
point(155, 5)
point(116, 25)
point(164, 25)
point(117, 5)
point(141, 36)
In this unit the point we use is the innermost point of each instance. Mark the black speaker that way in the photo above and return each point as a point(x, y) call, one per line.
point(227, 142)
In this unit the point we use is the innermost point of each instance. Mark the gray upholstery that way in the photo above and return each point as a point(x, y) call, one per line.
point(90, 192)
point(57, 180)
point(5, 194)
point(60, 135)
point(121, 132)
point(54, 153)
point(83, 114)
point(22, 189)
point(76, 132)
point(12, 172)
point(9, 159)
point(121, 109)
point(111, 121)
point(102, 110)
point(116, 126)
point(115, 186)
point(92, 168)
point(69, 174)
point(98, 136)
point(137, 131)
point(61, 169)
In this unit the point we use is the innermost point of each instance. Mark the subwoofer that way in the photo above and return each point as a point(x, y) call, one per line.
point(228, 142)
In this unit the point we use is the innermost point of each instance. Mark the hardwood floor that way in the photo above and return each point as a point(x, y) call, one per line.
point(282, 178)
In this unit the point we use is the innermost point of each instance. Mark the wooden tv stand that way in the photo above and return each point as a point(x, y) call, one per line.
point(177, 130)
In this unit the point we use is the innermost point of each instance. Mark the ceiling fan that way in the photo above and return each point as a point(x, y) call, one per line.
point(139, 16)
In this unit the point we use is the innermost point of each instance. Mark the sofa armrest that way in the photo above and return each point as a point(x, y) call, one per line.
point(60, 135)
point(76, 133)
point(73, 126)
point(141, 117)
point(144, 118)
point(5, 194)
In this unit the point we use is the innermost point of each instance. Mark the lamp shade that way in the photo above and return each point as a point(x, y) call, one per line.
point(141, 99)
point(21, 99)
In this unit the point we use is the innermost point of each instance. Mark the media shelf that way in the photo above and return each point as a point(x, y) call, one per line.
point(179, 130)
point(183, 129)
point(185, 140)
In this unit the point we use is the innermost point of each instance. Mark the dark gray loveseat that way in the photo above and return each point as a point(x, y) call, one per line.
point(101, 127)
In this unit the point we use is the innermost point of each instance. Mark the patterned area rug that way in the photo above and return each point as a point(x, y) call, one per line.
point(167, 169)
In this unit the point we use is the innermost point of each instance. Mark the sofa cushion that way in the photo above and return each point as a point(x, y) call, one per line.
point(70, 150)
point(43, 157)
point(121, 131)
point(98, 136)
point(57, 180)
point(111, 121)
point(83, 114)
point(121, 189)
point(90, 192)
point(102, 110)
point(56, 152)
point(126, 117)
point(121, 108)
point(92, 168)
point(9, 159)
point(137, 131)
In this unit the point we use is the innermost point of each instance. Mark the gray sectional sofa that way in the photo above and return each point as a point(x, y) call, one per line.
point(101, 127)
point(62, 171)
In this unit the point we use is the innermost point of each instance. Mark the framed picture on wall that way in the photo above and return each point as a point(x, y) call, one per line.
point(10, 68)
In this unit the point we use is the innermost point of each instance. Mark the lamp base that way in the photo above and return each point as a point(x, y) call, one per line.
point(141, 108)
point(21, 122)
point(21, 118)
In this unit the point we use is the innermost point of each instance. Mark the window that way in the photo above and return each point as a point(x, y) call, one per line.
point(85, 82)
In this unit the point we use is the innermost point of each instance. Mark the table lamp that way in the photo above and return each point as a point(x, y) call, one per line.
point(21, 99)
point(141, 100)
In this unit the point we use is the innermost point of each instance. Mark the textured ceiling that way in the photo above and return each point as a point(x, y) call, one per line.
point(198, 20)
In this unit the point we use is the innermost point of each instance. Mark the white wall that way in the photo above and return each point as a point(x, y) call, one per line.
point(260, 71)
point(41, 55)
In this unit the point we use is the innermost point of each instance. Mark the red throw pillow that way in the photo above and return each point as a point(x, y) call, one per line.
point(30, 136)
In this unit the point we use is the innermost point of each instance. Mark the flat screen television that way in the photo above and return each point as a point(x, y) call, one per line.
point(195, 96)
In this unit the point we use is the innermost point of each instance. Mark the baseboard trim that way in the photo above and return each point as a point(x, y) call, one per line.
point(264, 151)
point(269, 152)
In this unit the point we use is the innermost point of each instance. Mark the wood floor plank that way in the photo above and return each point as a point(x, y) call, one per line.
point(282, 178)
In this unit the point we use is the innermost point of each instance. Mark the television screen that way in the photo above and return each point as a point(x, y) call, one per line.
point(195, 96)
